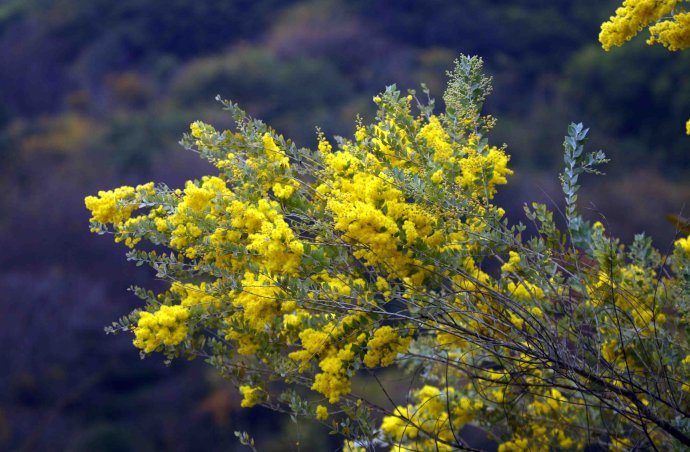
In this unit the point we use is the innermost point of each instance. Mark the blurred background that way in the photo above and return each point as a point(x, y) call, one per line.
point(95, 94)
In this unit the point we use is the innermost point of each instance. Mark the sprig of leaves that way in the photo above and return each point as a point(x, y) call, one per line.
point(576, 163)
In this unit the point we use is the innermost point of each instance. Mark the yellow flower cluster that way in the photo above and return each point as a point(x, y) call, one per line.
point(512, 264)
point(285, 190)
point(192, 295)
point(631, 18)
point(416, 427)
point(384, 346)
point(116, 206)
point(630, 289)
point(355, 214)
point(374, 216)
point(268, 235)
point(205, 134)
point(674, 33)
point(259, 300)
point(333, 348)
point(333, 381)
point(525, 291)
point(482, 171)
point(167, 326)
point(273, 152)
point(550, 411)
point(252, 396)
point(205, 201)
point(389, 246)
point(321, 413)
point(437, 139)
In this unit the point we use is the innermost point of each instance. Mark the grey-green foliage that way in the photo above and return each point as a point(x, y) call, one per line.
point(576, 163)
point(245, 439)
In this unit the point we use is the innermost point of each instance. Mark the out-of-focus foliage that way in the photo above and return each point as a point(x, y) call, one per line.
point(269, 85)
point(64, 53)
point(660, 98)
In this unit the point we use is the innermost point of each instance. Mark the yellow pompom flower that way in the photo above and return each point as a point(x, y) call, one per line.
point(321, 413)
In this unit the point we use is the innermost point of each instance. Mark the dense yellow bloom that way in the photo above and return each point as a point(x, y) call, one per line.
point(341, 162)
point(324, 146)
point(247, 343)
point(481, 172)
point(674, 34)
point(437, 138)
point(195, 295)
point(385, 346)
point(437, 177)
point(332, 381)
point(333, 358)
point(285, 190)
point(258, 299)
point(269, 236)
point(196, 198)
point(360, 134)
point(323, 266)
point(116, 206)
point(631, 18)
point(414, 427)
point(166, 326)
point(204, 133)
